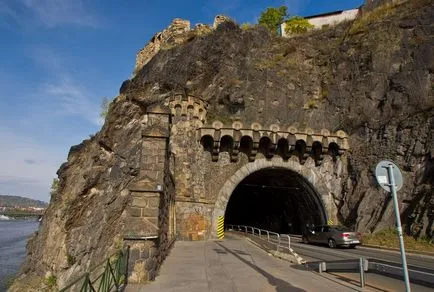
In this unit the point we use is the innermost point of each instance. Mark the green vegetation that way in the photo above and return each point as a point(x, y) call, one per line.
point(273, 17)
point(51, 281)
point(297, 25)
point(311, 104)
point(361, 23)
point(246, 26)
point(54, 188)
point(70, 259)
point(105, 106)
point(389, 238)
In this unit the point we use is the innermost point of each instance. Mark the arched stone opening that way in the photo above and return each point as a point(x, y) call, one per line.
point(275, 199)
point(207, 143)
point(333, 150)
point(281, 196)
point(282, 149)
point(226, 144)
point(246, 145)
point(265, 147)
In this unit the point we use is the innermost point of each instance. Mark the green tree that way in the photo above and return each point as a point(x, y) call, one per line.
point(105, 105)
point(273, 17)
point(54, 188)
point(296, 25)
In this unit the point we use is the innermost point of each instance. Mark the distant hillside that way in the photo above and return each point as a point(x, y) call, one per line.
point(10, 201)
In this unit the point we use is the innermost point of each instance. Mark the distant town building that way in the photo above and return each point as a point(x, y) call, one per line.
point(326, 19)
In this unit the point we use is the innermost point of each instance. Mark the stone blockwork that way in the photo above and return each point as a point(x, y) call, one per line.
point(172, 35)
point(272, 140)
point(149, 228)
point(177, 33)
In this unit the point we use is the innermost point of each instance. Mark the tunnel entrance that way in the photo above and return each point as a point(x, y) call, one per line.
point(275, 199)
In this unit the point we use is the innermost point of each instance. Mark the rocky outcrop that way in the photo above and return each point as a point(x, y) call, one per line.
point(371, 78)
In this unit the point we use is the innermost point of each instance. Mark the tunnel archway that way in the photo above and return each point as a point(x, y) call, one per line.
point(275, 199)
point(272, 193)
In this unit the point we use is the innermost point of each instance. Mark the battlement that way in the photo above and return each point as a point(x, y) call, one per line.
point(178, 32)
point(271, 140)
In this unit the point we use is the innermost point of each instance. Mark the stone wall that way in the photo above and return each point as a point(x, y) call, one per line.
point(149, 228)
point(178, 32)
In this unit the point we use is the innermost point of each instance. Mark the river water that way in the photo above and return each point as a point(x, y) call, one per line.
point(13, 238)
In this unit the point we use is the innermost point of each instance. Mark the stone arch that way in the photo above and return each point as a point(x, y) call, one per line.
point(246, 145)
point(312, 180)
point(226, 144)
point(207, 143)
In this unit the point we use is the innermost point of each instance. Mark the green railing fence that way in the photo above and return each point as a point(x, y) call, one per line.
point(111, 277)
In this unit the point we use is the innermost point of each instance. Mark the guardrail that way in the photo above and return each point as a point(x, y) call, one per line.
point(113, 278)
point(417, 275)
point(272, 237)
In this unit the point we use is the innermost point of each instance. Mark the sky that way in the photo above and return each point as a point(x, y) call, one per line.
point(60, 58)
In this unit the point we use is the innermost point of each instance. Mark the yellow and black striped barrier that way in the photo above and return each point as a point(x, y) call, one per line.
point(330, 222)
point(221, 227)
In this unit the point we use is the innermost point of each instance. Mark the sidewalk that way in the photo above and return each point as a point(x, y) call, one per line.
point(233, 264)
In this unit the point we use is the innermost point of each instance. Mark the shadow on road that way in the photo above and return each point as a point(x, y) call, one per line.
point(281, 285)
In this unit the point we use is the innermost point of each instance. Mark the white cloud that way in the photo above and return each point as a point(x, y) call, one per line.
point(62, 94)
point(17, 175)
point(49, 13)
point(72, 99)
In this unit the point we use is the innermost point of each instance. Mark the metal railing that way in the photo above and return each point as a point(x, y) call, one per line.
point(272, 237)
point(113, 277)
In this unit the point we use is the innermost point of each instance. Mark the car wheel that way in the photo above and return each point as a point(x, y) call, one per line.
point(332, 243)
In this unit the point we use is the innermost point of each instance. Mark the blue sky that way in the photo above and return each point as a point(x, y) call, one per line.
point(59, 58)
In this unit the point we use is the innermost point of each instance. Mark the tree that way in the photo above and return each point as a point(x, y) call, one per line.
point(105, 105)
point(273, 17)
point(296, 25)
point(54, 188)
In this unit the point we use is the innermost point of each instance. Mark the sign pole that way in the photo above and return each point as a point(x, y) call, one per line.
point(398, 225)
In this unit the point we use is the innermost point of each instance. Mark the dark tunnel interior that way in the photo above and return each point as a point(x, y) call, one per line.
point(275, 199)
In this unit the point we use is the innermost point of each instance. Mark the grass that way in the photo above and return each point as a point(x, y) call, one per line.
point(361, 23)
point(70, 259)
point(51, 281)
point(311, 104)
point(389, 238)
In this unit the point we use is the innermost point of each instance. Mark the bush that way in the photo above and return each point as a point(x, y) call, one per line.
point(51, 281)
point(245, 26)
point(273, 17)
point(54, 188)
point(296, 25)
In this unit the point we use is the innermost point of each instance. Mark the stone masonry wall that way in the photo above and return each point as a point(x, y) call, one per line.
point(147, 230)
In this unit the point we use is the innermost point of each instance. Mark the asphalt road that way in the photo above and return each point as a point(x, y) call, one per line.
point(315, 253)
point(323, 253)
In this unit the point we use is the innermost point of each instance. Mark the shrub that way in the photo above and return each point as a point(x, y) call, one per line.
point(273, 17)
point(54, 188)
point(245, 26)
point(297, 25)
point(71, 259)
point(51, 281)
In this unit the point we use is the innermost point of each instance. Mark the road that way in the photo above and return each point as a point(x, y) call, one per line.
point(233, 264)
point(324, 253)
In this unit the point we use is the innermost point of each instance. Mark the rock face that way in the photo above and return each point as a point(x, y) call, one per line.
point(326, 106)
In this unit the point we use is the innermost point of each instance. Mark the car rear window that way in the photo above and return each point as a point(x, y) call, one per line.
point(342, 229)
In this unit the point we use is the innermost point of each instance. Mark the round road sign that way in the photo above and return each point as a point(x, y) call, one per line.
point(381, 173)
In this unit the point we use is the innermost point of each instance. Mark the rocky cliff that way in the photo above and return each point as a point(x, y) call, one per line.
point(372, 78)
